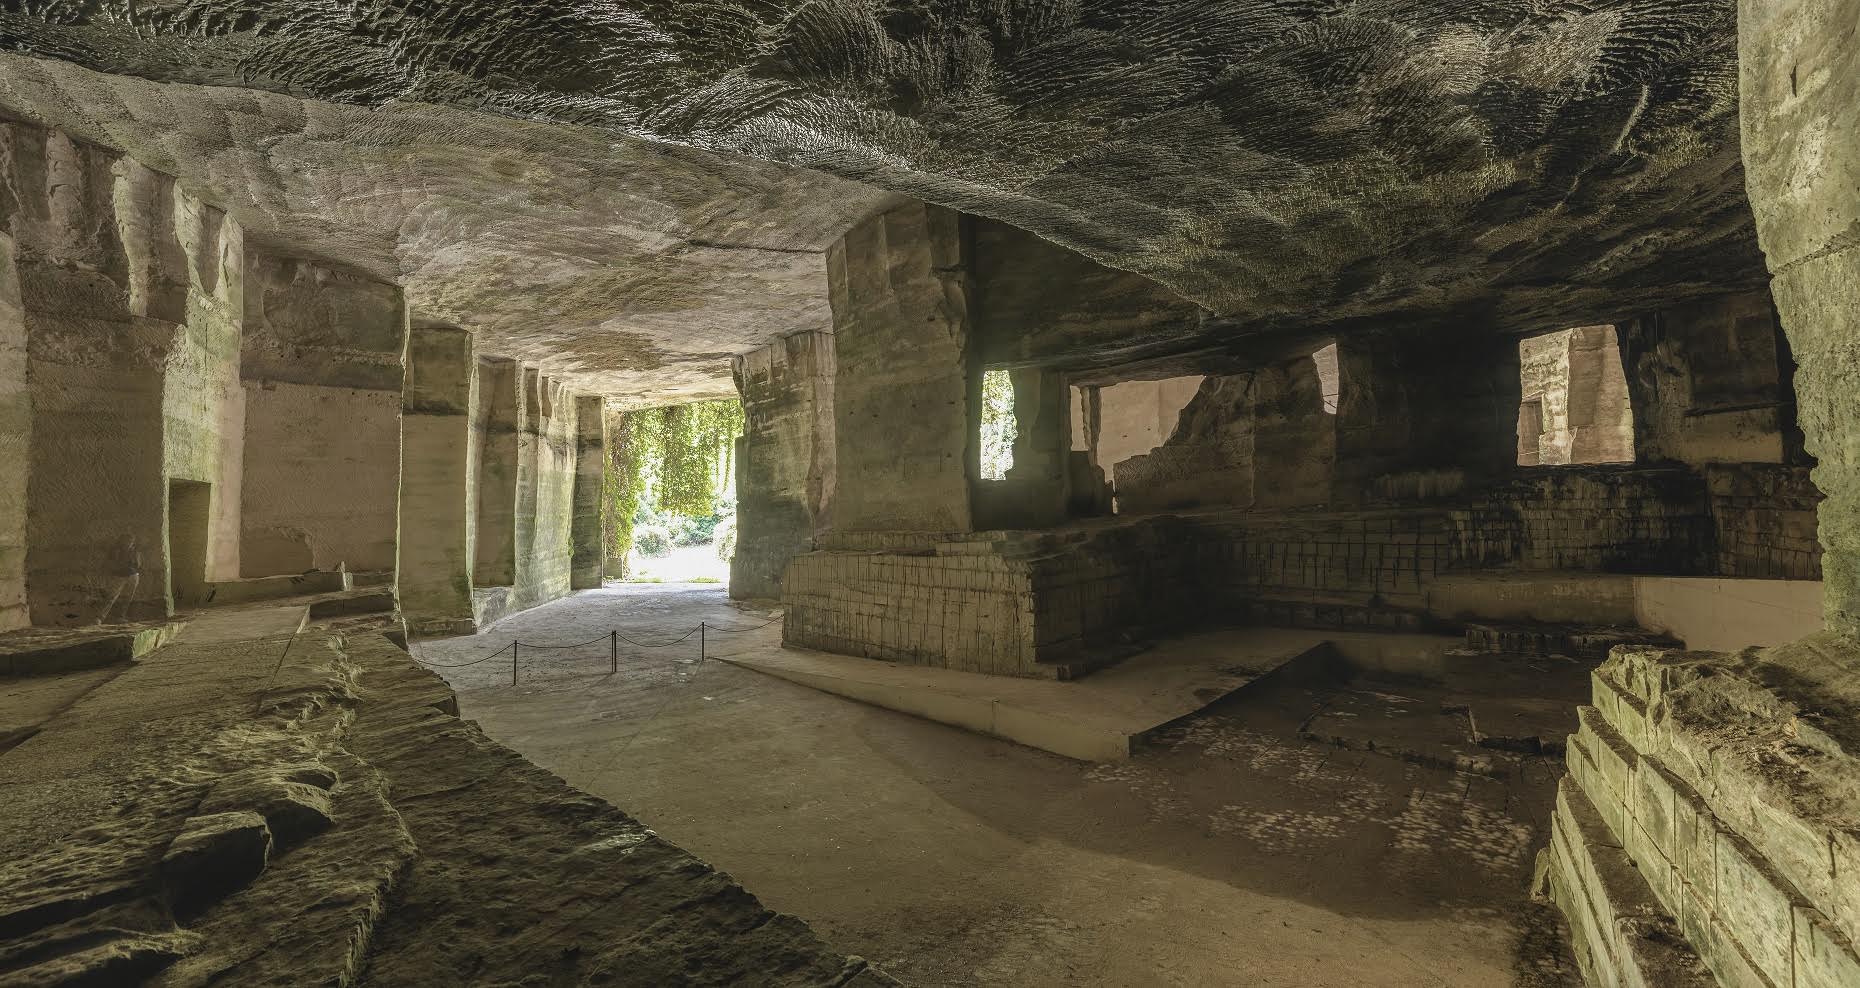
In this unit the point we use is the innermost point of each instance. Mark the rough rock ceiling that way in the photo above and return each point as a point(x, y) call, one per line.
point(629, 268)
point(1281, 162)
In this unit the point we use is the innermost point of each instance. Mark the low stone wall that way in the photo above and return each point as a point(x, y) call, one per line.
point(1764, 524)
point(1017, 604)
point(1707, 827)
point(955, 604)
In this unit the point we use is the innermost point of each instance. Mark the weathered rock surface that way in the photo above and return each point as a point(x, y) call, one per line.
point(1708, 820)
point(202, 819)
point(1406, 161)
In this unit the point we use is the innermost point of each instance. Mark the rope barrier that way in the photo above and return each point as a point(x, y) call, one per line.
point(580, 645)
point(674, 641)
point(613, 638)
point(738, 631)
point(463, 665)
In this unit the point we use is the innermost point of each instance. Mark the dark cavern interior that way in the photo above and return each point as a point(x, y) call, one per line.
point(930, 492)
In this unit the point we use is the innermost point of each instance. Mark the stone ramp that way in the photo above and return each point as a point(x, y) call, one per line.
point(1100, 718)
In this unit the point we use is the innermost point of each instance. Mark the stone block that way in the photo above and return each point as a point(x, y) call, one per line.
point(1613, 756)
point(214, 855)
point(293, 799)
point(1653, 804)
point(1823, 957)
point(1624, 711)
point(1695, 845)
point(1651, 954)
point(1583, 770)
point(1801, 852)
point(1845, 906)
point(1755, 909)
point(1727, 959)
point(1654, 867)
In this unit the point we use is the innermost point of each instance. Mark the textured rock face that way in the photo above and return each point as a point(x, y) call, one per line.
point(1707, 821)
point(1801, 86)
point(235, 813)
point(1266, 158)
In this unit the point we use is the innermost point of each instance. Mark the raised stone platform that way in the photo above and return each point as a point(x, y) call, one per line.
point(38, 651)
point(276, 587)
point(308, 809)
point(1099, 718)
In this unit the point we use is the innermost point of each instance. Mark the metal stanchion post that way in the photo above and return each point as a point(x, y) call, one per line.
point(613, 639)
point(513, 663)
point(701, 630)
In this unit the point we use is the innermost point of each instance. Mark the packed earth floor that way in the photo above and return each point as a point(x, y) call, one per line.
point(1229, 850)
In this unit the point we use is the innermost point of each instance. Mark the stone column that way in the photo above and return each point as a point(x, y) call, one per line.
point(434, 570)
point(545, 491)
point(784, 460)
point(499, 400)
point(906, 394)
point(1440, 404)
point(321, 363)
point(529, 446)
point(586, 567)
point(1038, 482)
point(1799, 67)
point(15, 440)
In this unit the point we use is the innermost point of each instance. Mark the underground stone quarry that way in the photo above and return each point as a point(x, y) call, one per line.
point(930, 492)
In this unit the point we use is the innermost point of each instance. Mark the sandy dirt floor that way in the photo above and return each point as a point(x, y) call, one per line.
point(1230, 852)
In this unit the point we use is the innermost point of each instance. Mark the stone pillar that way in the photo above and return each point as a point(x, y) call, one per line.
point(321, 363)
point(586, 568)
point(1294, 435)
point(545, 491)
point(434, 569)
point(906, 392)
point(784, 460)
point(15, 440)
point(1799, 67)
point(500, 400)
point(1423, 405)
point(1038, 482)
point(529, 445)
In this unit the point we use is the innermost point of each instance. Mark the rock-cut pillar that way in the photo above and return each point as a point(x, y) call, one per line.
point(500, 385)
point(1799, 72)
point(906, 393)
point(15, 440)
point(784, 460)
point(586, 564)
point(434, 570)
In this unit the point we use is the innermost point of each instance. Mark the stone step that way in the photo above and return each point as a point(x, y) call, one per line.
point(1578, 641)
point(47, 651)
point(1308, 611)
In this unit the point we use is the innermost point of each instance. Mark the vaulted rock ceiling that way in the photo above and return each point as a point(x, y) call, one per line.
point(635, 189)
